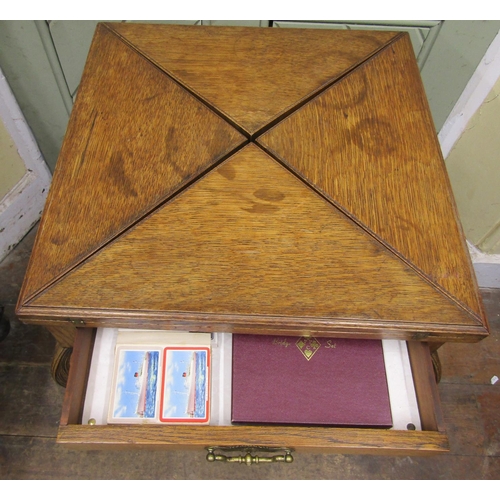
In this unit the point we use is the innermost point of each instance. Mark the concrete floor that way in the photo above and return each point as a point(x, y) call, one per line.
point(30, 404)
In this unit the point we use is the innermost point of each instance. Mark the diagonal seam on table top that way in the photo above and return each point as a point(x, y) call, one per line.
point(231, 153)
point(25, 299)
point(376, 237)
point(31, 288)
point(252, 152)
point(305, 177)
point(282, 114)
point(186, 88)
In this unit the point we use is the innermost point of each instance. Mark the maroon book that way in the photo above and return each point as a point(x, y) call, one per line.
point(315, 381)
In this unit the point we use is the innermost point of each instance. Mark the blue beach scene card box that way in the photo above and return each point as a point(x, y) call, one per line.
point(152, 384)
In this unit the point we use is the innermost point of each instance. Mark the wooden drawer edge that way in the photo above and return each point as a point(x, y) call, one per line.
point(253, 324)
point(300, 439)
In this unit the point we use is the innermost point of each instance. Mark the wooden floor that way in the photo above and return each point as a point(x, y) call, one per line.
point(30, 404)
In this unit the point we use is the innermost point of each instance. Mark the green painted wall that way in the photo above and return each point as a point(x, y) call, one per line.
point(456, 53)
point(26, 67)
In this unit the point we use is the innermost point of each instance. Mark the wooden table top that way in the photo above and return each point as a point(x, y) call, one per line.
point(253, 180)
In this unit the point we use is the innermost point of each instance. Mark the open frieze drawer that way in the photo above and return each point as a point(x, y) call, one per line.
point(430, 440)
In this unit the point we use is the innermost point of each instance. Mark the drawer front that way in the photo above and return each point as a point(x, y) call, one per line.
point(431, 440)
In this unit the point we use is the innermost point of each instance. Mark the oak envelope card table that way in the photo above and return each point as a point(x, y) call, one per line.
point(253, 180)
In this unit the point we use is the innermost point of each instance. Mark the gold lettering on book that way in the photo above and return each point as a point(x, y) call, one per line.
point(280, 341)
point(330, 345)
point(308, 346)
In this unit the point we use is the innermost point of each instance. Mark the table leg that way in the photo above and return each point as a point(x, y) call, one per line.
point(60, 364)
point(436, 364)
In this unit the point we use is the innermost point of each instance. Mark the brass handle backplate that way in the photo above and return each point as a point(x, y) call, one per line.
point(285, 455)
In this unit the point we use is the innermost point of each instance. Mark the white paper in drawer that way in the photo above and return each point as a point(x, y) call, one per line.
point(100, 375)
point(404, 407)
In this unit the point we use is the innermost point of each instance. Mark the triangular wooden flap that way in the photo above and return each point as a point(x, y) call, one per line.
point(251, 239)
point(368, 144)
point(252, 75)
point(135, 138)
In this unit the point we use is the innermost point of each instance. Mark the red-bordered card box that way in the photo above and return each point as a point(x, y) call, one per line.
point(185, 389)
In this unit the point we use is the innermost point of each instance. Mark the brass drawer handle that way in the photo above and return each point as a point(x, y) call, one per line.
point(248, 458)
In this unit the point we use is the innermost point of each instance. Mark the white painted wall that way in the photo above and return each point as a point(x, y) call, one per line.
point(22, 206)
point(12, 167)
point(474, 94)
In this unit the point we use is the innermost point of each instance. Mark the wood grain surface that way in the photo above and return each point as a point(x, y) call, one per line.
point(302, 439)
point(426, 390)
point(74, 397)
point(369, 145)
point(64, 333)
point(249, 238)
point(350, 230)
point(135, 137)
point(252, 76)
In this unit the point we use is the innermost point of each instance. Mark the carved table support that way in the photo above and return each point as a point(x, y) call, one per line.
point(436, 362)
point(65, 336)
point(60, 364)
